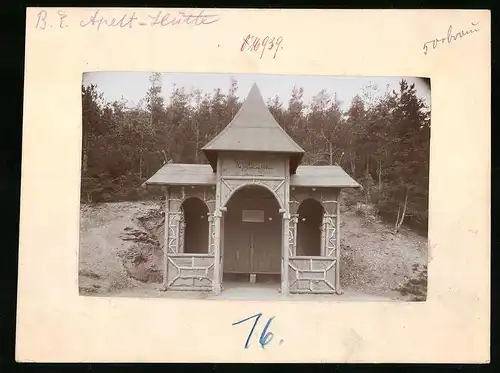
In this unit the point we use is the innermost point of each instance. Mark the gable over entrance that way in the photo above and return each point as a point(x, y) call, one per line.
point(254, 129)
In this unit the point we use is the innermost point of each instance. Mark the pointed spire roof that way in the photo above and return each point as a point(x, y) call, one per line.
point(254, 129)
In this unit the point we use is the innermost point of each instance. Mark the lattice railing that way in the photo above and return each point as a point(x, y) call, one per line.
point(193, 272)
point(312, 274)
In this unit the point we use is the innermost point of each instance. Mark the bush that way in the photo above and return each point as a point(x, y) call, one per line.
point(350, 197)
point(101, 188)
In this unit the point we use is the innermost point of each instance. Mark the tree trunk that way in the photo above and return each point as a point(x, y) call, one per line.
point(85, 159)
point(340, 159)
point(397, 219)
point(140, 166)
point(368, 185)
point(165, 158)
point(330, 151)
point(404, 208)
point(197, 145)
point(151, 118)
point(141, 151)
point(167, 133)
point(379, 173)
point(86, 146)
point(401, 216)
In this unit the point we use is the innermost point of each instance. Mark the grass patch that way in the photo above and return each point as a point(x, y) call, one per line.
point(415, 287)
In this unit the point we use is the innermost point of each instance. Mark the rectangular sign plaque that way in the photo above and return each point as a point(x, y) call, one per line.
point(252, 216)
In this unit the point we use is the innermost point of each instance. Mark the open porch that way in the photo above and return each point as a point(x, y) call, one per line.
point(253, 214)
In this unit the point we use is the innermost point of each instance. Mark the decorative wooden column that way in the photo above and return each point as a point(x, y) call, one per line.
point(217, 252)
point(181, 238)
point(323, 236)
point(285, 247)
point(211, 232)
point(292, 238)
point(337, 249)
point(217, 230)
point(330, 227)
point(221, 251)
point(165, 243)
point(285, 284)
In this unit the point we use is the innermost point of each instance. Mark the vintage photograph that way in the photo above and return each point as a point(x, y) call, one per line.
point(265, 187)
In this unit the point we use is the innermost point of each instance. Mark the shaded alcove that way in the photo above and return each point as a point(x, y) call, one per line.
point(309, 225)
point(196, 226)
point(252, 235)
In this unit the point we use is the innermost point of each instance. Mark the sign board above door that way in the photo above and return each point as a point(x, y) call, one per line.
point(252, 216)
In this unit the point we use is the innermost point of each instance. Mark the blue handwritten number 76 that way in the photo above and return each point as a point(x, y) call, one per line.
point(265, 336)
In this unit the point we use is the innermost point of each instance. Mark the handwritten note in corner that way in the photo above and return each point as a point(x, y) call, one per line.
point(98, 19)
point(451, 36)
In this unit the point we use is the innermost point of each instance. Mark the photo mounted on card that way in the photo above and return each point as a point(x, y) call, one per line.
point(282, 191)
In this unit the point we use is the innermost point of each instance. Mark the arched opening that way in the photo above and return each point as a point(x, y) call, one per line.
point(310, 221)
point(195, 226)
point(252, 237)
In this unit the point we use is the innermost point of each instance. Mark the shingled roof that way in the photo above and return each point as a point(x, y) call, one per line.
point(254, 129)
point(202, 174)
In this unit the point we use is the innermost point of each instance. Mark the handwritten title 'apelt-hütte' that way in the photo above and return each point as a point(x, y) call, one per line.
point(128, 20)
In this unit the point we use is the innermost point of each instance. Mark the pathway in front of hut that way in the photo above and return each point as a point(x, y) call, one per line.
point(238, 291)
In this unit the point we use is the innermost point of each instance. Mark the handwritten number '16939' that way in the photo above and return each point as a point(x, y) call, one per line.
point(265, 336)
point(255, 44)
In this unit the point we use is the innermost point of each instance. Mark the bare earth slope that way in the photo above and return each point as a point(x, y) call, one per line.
point(120, 250)
point(108, 247)
point(377, 262)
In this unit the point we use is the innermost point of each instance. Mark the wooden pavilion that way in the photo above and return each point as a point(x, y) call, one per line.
point(252, 210)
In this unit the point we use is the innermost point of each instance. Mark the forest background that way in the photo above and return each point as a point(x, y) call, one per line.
point(382, 140)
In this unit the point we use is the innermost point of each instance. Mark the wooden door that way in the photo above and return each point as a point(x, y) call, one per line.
point(252, 234)
point(237, 246)
point(266, 244)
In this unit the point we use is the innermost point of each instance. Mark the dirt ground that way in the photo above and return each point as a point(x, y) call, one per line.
point(377, 262)
point(121, 254)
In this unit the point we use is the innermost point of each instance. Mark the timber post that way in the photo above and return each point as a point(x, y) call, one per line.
point(217, 234)
point(338, 288)
point(165, 243)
